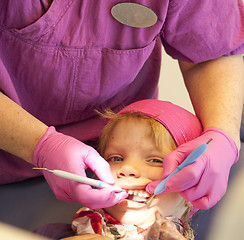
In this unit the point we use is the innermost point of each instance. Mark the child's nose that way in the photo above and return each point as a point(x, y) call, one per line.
point(128, 171)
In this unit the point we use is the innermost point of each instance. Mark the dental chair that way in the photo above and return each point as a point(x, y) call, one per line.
point(30, 204)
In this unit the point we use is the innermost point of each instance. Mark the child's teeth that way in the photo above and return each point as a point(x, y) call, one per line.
point(130, 192)
point(140, 194)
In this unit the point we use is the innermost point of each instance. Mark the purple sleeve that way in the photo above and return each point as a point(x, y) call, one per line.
point(200, 30)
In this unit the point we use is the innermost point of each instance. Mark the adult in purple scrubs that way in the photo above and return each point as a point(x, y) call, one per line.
point(61, 60)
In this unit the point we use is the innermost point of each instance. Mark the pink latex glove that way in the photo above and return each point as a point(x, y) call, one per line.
point(62, 152)
point(204, 182)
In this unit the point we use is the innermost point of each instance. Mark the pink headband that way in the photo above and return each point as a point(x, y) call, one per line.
point(182, 125)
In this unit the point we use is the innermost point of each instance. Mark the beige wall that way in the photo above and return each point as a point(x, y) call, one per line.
point(171, 84)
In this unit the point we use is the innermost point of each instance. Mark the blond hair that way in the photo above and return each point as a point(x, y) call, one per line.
point(159, 134)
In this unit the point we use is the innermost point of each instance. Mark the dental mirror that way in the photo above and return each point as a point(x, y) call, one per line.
point(134, 15)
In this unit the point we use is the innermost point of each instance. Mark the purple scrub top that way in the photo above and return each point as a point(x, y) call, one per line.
point(61, 62)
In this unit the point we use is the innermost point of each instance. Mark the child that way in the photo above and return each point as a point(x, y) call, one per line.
point(135, 142)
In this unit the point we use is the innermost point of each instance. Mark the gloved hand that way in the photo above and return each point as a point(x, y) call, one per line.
point(62, 152)
point(205, 181)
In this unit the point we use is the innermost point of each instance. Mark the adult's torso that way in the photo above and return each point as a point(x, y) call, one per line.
point(61, 62)
point(65, 61)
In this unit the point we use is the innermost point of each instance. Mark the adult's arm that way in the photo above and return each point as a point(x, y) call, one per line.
point(216, 89)
point(28, 138)
point(19, 130)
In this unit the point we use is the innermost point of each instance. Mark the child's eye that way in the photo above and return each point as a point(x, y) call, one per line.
point(156, 161)
point(115, 159)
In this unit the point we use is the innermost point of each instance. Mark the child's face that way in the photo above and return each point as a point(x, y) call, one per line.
point(135, 161)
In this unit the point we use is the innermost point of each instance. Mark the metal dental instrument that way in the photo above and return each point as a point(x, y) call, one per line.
point(189, 160)
point(81, 179)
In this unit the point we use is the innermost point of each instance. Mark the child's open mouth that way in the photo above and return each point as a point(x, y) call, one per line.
point(138, 195)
